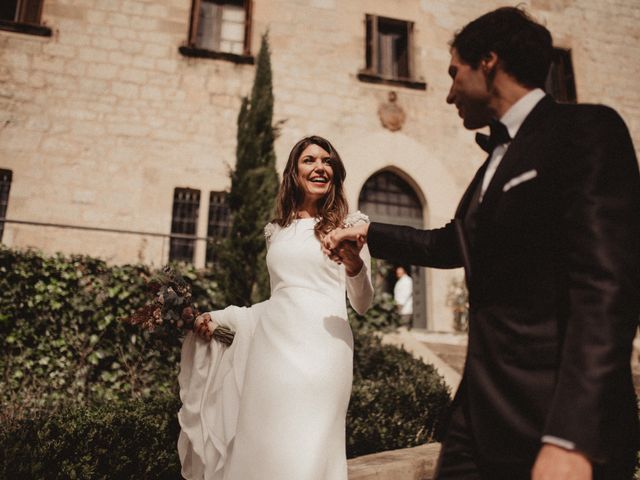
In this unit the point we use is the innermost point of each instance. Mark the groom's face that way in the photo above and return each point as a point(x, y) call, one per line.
point(469, 92)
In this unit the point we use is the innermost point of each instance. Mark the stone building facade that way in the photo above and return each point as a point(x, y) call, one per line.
point(108, 106)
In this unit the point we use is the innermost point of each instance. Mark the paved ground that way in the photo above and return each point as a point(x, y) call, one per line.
point(452, 355)
point(452, 349)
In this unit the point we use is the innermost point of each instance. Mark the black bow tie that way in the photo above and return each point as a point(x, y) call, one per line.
point(499, 135)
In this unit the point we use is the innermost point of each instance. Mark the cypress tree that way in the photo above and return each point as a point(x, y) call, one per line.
point(243, 275)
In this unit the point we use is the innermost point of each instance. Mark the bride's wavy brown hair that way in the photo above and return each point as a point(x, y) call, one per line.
point(332, 208)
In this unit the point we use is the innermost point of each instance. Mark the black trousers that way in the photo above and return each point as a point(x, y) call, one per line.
point(459, 459)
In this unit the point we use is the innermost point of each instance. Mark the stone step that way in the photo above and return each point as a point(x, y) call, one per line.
point(417, 463)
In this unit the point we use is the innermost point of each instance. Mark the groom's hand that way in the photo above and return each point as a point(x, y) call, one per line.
point(555, 463)
point(356, 234)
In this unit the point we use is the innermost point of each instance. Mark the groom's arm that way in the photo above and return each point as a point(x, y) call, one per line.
point(436, 248)
point(601, 223)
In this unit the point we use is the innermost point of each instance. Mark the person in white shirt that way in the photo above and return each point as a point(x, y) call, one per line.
point(403, 295)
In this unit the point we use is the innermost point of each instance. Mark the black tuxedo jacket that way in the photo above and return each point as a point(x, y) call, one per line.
point(552, 261)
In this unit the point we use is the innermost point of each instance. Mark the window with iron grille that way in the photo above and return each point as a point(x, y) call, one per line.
point(385, 194)
point(221, 26)
point(5, 186)
point(184, 221)
point(22, 16)
point(218, 225)
point(560, 83)
point(389, 52)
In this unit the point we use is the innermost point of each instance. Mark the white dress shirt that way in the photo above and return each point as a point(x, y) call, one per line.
point(512, 119)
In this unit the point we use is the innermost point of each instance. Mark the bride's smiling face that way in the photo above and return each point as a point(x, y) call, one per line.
point(315, 172)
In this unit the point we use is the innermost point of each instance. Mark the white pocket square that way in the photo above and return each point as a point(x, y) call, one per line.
point(523, 177)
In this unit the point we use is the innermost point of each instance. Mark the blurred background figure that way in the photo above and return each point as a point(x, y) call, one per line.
point(403, 295)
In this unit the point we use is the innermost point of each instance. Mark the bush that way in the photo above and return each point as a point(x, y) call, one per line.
point(383, 316)
point(397, 401)
point(84, 396)
point(61, 338)
point(121, 440)
point(458, 301)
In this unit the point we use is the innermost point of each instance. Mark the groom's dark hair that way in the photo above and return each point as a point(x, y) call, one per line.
point(523, 46)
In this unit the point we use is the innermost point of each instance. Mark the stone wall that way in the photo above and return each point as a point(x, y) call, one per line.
point(100, 122)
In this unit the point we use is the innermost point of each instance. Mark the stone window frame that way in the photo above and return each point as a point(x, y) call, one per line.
point(192, 49)
point(184, 224)
point(560, 82)
point(218, 224)
point(372, 73)
point(27, 19)
point(5, 186)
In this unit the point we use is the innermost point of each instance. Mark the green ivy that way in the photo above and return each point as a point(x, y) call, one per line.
point(61, 336)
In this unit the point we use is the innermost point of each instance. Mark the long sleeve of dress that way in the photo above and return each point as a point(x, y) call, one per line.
point(359, 287)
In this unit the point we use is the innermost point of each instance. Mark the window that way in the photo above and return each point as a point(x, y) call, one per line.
point(386, 194)
point(5, 185)
point(218, 225)
point(560, 82)
point(388, 55)
point(22, 16)
point(184, 221)
point(220, 29)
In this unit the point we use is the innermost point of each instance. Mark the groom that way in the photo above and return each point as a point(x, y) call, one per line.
point(548, 232)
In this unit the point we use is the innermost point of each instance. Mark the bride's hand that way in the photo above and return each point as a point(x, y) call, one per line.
point(204, 326)
point(332, 241)
point(349, 253)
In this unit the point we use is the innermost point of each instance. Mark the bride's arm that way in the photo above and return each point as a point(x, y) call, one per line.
point(359, 286)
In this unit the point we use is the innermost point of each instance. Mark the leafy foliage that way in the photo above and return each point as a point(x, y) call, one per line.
point(123, 440)
point(458, 301)
point(97, 399)
point(383, 315)
point(397, 401)
point(254, 185)
point(61, 338)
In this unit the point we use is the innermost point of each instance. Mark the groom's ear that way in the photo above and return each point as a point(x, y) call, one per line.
point(489, 62)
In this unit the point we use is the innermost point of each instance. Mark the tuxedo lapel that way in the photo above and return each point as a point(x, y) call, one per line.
point(470, 192)
point(467, 206)
point(518, 148)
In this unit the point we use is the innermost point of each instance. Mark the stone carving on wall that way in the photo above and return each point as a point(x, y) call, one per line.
point(391, 114)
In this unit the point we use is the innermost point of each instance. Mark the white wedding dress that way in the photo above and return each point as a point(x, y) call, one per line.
point(273, 405)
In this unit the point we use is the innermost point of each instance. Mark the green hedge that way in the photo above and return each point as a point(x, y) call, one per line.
point(75, 383)
point(61, 338)
point(397, 401)
point(121, 440)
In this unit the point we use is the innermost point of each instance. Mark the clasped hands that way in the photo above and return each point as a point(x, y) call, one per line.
point(343, 246)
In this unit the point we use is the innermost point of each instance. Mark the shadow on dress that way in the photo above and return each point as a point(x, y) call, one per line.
point(339, 328)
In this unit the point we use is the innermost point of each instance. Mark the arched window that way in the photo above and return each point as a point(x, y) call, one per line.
point(388, 198)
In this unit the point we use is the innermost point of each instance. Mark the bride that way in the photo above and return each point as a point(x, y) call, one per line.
point(273, 405)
